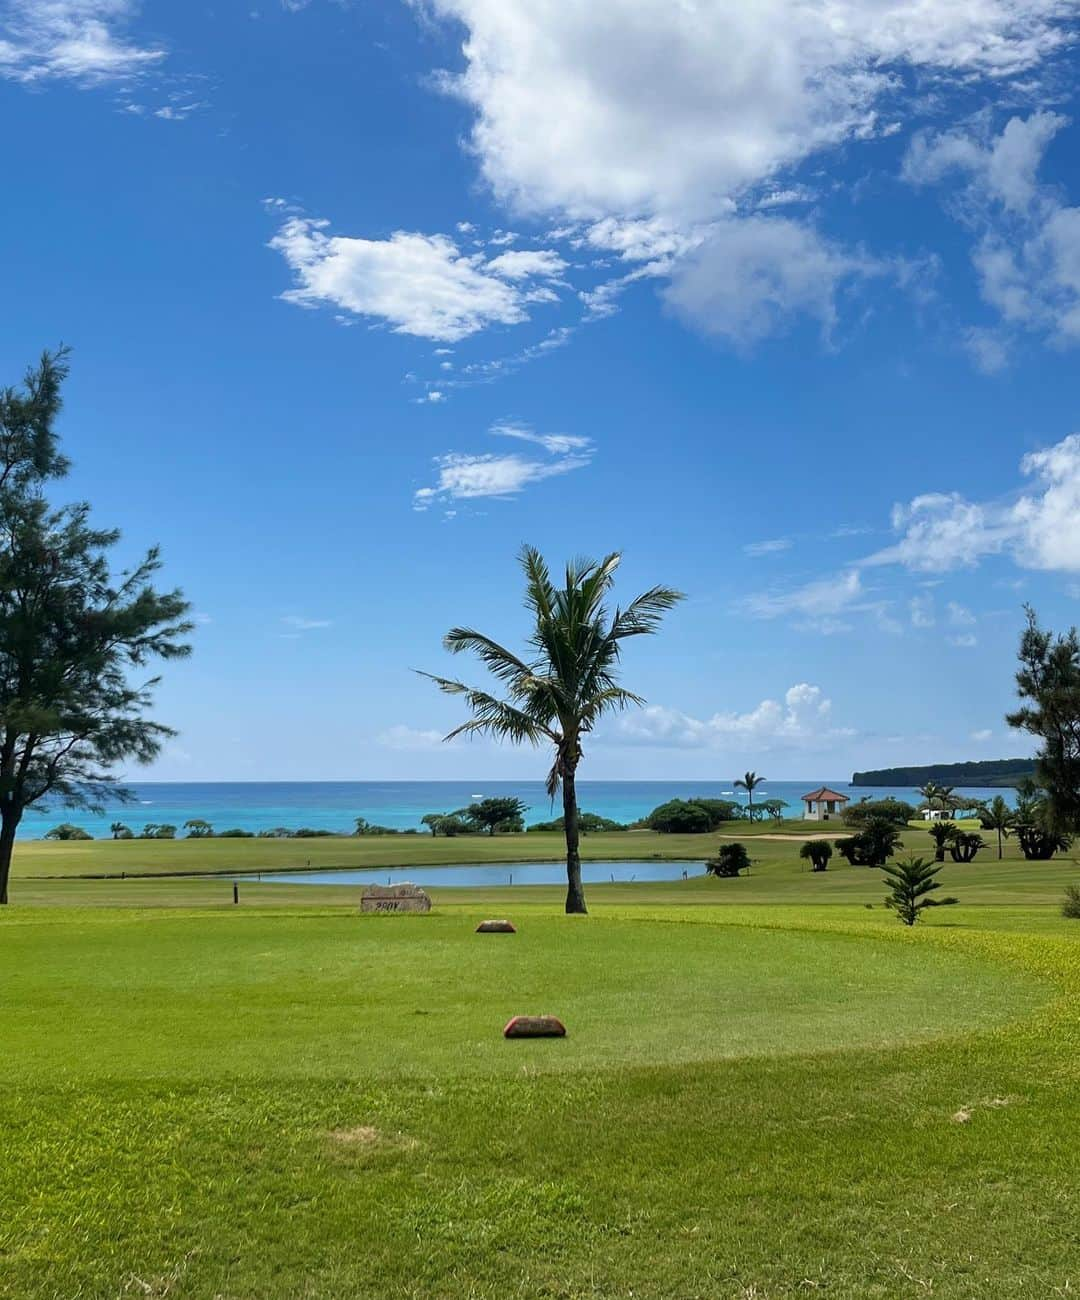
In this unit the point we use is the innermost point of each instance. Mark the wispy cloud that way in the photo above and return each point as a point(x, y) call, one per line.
point(410, 738)
point(1026, 254)
point(306, 624)
point(771, 547)
point(82, 41)
point(468, 476)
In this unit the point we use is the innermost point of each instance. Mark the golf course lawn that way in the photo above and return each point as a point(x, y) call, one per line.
point(768, 1088)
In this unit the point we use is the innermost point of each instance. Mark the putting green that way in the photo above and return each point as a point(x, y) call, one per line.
point(316, 995)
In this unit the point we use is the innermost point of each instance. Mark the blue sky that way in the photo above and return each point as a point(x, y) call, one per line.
point(782, 300)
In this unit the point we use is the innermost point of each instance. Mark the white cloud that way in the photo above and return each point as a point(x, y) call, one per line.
point(941, 531)
point(821, 598)
point(76, 40)
point(987, 348)
point(660, 132)
point(409, 738)
point(1027, 250)
point(922, 611)
point(1048, 523)
point(799, 720)
point(964, 642)
point(465, 477)
point(520, 264)
point(559, 444)
point(771, 547)
point(959, 615)
point(638, 108)
point(982, 736)
point(752, 277)
point(417, 284)
point(306, 624)
point(1039, 528)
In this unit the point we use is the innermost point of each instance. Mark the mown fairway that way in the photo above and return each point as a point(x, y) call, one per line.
point(768, 1089)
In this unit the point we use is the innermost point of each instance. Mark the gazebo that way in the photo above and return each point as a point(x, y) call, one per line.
point(824, 804)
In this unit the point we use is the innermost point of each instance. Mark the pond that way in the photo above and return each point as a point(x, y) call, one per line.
point(472, 875)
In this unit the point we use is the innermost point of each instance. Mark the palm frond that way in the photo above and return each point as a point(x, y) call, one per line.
point(492, 716)
point(503, 663)
point(642, 616)
point(539, 592)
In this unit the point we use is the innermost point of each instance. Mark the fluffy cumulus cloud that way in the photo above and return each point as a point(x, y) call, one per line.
point(83, 41)
point(664, 132)
point(800, 719)
point(644, 108)
point(1039, 527)
point(1027, 241)
point(469, 476)
point(416, 284)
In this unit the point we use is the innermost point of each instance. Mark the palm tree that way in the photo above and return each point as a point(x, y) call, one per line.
point(567, 679)
point(750, 783)
point(117, 829)
point(997, 816)
point(930, 791)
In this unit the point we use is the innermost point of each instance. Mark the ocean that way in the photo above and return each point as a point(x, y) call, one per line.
point(335, 805)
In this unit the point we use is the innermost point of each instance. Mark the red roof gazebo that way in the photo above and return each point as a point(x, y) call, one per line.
point(824, 804)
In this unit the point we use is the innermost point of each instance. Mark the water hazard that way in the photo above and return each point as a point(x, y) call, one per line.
point(474, 875)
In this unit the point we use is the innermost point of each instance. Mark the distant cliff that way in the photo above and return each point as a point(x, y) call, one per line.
point(998, 771)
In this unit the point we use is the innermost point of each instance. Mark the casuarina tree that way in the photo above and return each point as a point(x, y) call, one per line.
point(565, 681)
point(75, 637)
point(1048, 683)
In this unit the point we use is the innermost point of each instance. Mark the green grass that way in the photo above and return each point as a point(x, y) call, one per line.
point(768, 1090)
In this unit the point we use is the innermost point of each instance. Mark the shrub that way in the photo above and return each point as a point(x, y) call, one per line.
point(65, 831)
point(730, 861)
point(691, 816)
point(910, 884)
point(878, 841)
point(1071, 905)
point(963, 845)
point(940, 832)
point(235, 834)
point(817, 853)
point(1038, 843)
point(588, 823)
point(894, 811)
point(364, 827)
point(306, 833)
point(156, 831)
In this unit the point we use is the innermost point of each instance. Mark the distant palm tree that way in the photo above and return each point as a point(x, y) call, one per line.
point(997, 816)
point(750, 783)
point(117, 828)
point(930, 792)
point(567, 680)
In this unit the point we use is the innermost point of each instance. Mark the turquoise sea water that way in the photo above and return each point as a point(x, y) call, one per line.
point(335, 805)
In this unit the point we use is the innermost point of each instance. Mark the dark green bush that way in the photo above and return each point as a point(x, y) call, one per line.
point(730, 861)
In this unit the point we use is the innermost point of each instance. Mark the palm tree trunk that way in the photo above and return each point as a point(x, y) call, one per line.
point(999, 843)
point(9, 824)
point(575, 895)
